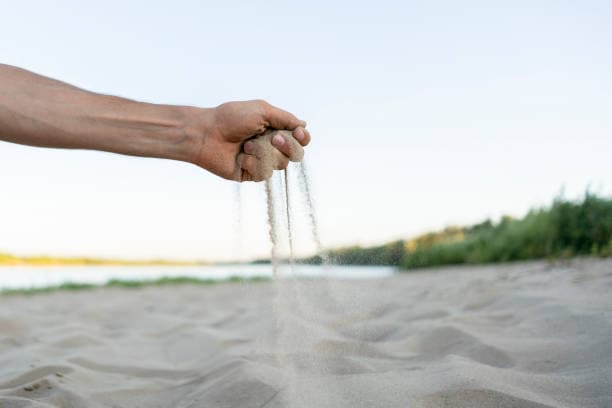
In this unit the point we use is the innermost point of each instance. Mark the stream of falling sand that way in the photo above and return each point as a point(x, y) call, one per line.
point(273, 222)
point(309, 354)
point(272, 228)
point(297, 302)
point(288, 215)
point(238, 225)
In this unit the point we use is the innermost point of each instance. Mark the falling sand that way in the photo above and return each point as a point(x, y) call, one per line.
point(300, 304)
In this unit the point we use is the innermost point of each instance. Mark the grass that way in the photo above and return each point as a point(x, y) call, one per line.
point(133, 284)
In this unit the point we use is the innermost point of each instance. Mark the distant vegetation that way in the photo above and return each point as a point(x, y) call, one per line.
point(8, 259)
point(564, 229)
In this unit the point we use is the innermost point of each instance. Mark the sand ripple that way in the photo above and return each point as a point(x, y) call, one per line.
point(526, 335)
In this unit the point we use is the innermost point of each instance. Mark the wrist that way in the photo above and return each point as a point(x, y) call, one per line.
point(197, 125)
point(182, 136)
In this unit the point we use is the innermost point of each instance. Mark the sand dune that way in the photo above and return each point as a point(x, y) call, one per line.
point(520, 335)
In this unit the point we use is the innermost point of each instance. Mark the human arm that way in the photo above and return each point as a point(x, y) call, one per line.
point(41, 111)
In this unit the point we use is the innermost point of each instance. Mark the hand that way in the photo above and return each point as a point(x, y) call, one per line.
point(223, 148)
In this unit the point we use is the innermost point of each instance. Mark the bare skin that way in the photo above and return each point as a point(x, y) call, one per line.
point(39, 111)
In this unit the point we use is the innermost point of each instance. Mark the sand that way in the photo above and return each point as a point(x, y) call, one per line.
point(517, 335)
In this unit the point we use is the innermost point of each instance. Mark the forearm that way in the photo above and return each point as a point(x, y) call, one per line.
point(40, 111)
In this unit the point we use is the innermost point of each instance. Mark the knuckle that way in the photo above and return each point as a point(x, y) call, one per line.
point(261, 103)
point(263, 107)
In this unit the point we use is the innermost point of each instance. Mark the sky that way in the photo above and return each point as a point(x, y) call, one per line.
point(423, 114)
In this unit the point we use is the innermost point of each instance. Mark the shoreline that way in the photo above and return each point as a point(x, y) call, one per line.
point(132, 284)
point(41, 261)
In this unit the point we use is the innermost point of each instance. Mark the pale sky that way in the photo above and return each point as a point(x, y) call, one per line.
point(423, 114)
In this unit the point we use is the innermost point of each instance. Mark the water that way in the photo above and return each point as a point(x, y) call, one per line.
point(286, 216)
point(23, 277)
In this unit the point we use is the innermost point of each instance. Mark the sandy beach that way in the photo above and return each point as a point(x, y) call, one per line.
point(518, 335)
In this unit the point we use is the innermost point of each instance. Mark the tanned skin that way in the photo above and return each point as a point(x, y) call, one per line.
point(40, 111)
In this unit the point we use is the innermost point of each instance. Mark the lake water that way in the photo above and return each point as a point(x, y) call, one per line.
point(21, 277)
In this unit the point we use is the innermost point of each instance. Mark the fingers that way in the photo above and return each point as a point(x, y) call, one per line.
point(253, 168)
point(282, 163)
point(280, 119)
point(287, 145)
point(250, 147)
point(245, 176)
point(302, 135)
point(274, 148)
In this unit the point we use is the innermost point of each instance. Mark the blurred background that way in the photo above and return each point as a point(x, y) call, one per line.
point(424, 114)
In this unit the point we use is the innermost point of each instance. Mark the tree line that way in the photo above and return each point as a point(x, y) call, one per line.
point(563, 229)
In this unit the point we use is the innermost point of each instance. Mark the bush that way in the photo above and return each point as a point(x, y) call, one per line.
point(566, 228)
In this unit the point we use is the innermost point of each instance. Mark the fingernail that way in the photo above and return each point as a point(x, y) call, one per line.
point(299, 135)
point(248, 148)
point(278, 140)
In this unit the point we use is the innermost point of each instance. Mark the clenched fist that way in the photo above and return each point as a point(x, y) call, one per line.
point(40, 111)
point(226, 146)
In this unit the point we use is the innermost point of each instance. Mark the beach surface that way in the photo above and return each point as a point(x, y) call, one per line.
point(530, 334)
